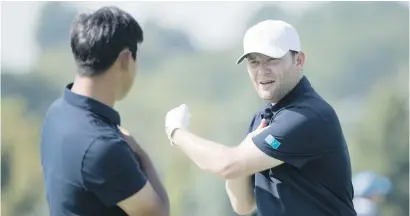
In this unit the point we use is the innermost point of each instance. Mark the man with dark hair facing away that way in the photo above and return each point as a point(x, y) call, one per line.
point(91, 165)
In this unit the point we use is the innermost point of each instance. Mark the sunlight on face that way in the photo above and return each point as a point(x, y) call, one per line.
point(272, 77)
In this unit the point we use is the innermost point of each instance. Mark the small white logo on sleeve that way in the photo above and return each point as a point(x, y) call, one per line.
point(272, 141)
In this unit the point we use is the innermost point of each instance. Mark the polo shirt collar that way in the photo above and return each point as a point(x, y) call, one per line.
point(302, 87)
point(92, 105)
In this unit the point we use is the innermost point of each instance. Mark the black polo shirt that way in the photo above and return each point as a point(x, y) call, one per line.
point(88, 167)
point(315, 178)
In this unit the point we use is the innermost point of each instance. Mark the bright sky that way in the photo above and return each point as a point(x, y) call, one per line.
point(207, 22)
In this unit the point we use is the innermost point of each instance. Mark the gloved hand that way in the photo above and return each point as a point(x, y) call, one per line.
point(178, 117)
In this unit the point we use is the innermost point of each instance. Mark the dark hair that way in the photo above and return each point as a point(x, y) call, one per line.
point(97, 39)
point(293, 53)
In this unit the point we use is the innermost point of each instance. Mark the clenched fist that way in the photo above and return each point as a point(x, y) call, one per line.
point(178, 117)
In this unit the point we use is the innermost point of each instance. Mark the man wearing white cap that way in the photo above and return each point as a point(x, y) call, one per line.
point(294, 160)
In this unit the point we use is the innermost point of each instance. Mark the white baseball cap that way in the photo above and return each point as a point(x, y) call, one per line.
point(273, 38)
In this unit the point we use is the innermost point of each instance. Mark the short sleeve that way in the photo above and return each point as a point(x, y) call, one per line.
point(293, 136)
point(111, 171)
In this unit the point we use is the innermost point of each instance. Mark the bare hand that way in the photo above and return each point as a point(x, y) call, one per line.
point(132, 143)
point(260, 128)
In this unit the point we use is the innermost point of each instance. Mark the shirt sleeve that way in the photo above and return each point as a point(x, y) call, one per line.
point(111, 171)
point(293, 136)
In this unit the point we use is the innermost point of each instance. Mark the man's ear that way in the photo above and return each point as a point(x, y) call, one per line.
point(124, 57)
point(300, 60)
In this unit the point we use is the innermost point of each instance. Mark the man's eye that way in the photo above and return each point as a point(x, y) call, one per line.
point(253, 62)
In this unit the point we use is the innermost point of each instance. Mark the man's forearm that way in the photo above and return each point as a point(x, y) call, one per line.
point(241, 195)
point(148, 169)
point(206, 154)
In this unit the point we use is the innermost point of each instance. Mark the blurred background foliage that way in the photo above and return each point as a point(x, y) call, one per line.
point(357, 57)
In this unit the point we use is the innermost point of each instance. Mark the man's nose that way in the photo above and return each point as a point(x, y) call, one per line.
point(265, 70)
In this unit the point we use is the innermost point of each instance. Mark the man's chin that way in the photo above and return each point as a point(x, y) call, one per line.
point(267, 96)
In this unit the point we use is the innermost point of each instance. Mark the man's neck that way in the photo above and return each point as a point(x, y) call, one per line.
point(273, 102)
point(97, 88)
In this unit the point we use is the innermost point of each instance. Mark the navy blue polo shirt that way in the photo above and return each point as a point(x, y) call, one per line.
point(315, 179)
point(87, 165)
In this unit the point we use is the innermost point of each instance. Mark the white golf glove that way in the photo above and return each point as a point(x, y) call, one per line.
point(178, 117)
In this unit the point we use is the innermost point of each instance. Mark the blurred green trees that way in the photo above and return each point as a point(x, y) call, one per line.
point(381, 141)
point(21, 178)
point(54, 24)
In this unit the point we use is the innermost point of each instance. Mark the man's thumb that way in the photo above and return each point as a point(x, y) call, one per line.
point(263, 124)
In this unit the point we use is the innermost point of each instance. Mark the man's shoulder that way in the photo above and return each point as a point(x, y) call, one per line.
point(309, 114)
point(105, 154)
point(319, 117)
point(107, 145)
point(59, 110)
point(54, 107)
point(80, 121)
point(313, 103)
